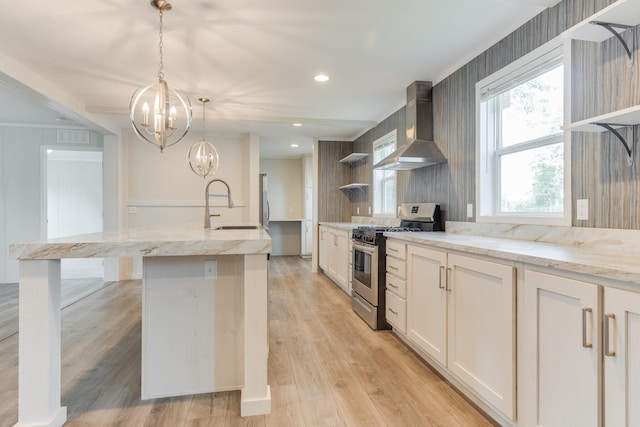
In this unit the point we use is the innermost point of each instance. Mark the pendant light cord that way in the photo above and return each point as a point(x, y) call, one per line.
point(161, 67)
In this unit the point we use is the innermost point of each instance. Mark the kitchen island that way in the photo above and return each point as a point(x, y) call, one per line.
point(204, 314)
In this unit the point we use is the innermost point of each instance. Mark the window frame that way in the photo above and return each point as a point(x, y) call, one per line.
point(487, 157)
point(377, 190)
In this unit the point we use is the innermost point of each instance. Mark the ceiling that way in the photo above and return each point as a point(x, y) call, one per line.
point(72, 62)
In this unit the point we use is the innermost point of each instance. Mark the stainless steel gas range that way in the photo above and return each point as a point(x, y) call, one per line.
point(369, 260)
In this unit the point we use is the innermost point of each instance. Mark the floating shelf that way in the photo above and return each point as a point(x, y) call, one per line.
point(622, 12)
point(611, 122)
point(626, 117)
point(354, 186)
point(353, 157)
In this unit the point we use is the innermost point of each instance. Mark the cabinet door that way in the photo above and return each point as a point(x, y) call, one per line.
point(562, 351)
point(307, 236)
point(621, 358)
point(323, 246)
point(340, 259)
point(308, 203)
point(427, 301)
point(481, 328)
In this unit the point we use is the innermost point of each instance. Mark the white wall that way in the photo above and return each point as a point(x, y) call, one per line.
point(163, 190)
point(20, 188)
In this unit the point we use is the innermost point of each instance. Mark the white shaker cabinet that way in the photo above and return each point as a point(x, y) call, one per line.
point(334, 255)
point(562, 351)
point(461, 312)
point(427, 301)
point(621, 344)
point(396, 286)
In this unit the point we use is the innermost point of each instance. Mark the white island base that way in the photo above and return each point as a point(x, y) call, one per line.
point(200, 334)
point(193, 334)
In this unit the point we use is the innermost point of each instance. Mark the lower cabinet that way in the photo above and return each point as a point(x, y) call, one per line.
point(621, 358)
point(306, 232)
point(562, 357)
point(334, 255)
point(573, 377)
point(461, 312)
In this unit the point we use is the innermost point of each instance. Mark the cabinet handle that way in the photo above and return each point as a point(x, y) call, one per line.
point(392, 285)
point(392, 249)
point(448, 276)
point(440, 277)
point(607, 347)
point(585, 344)
point(393, 311)
point(393, 267)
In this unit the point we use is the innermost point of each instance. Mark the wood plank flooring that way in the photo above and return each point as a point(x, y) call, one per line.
point(326, 367)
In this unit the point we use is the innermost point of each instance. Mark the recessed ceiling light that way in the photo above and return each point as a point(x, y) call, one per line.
point(321, 78)
point(297, 124)
point(294, 145)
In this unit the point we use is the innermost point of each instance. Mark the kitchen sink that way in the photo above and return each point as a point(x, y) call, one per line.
point(236, 227)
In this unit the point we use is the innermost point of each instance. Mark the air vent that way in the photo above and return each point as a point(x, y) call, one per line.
point(73, 136)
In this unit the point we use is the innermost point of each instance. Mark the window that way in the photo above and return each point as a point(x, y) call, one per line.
point(521, 166)
point(384, 181)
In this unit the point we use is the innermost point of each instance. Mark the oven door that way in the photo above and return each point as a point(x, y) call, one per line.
point(365, 271)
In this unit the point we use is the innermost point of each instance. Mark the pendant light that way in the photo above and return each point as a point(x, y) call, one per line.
point(159, 115)
point(203, 156)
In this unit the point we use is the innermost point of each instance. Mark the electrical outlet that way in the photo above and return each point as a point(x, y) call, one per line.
point(133, 210)
point(469, 210)
point(582, 209)
point(210, 269)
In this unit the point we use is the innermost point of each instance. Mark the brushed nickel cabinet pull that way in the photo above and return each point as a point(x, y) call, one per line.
point(585, 343)
point(607, 347)
point(392, 249)
point(393, 311)
point(440, 277)
point(392, 285)
point(393, 267)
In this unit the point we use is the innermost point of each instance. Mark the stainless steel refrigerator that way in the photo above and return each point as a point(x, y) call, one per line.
point(264, 201)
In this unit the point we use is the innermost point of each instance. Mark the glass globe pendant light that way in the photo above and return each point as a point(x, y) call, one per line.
point(203, 156)
point(160, 115)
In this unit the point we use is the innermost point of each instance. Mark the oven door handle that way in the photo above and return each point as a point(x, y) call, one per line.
point(365, 248)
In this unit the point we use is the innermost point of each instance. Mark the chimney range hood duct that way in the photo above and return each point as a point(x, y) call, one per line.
point(420, 149)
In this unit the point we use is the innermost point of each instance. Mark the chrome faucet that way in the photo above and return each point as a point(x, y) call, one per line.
point(207, 215)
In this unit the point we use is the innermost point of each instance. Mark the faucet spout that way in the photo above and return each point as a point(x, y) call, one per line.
point(207, 214)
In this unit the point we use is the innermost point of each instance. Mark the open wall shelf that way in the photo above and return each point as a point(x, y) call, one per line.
point(353, 157)
point(354, 186)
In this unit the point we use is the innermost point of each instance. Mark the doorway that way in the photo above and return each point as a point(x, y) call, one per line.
point(73, 190)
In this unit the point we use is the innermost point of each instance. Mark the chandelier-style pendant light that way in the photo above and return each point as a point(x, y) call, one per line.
point(203, 156)
point(159, 115)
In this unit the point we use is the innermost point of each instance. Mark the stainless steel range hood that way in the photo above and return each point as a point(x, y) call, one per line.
point(420, 149)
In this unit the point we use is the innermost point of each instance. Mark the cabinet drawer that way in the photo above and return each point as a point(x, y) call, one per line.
point(396, 312)
point(397, 286)
point(397, 267)
point(396, 249)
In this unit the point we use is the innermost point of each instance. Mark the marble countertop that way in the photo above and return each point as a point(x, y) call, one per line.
point(608, 261)
point(343, 225)
point(168, 240)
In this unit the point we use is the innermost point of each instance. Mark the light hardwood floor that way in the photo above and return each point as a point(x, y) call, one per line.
point(326, 367)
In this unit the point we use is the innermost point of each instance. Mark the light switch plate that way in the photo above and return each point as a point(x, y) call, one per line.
point(469, 210)
point(582, 209)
